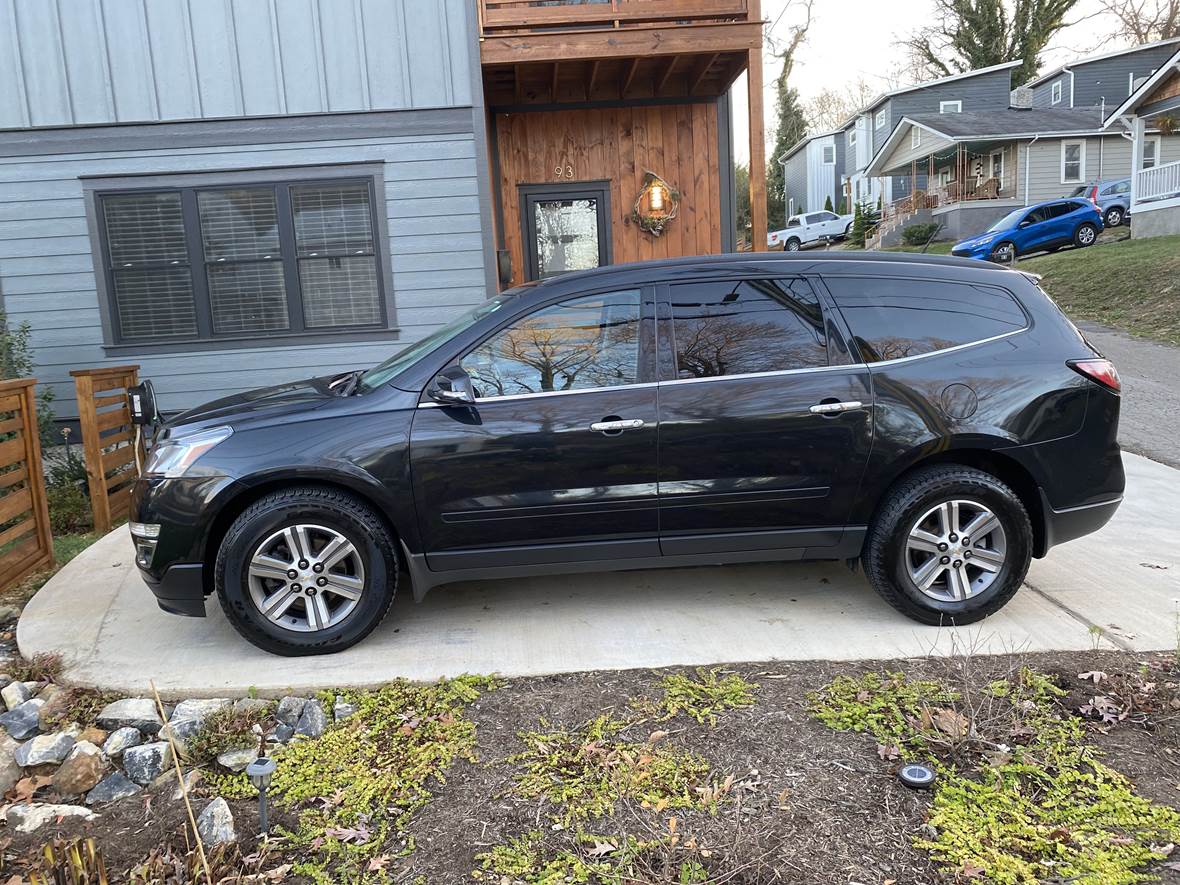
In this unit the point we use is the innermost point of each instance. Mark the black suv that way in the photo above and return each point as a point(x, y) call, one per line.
point(937, 419)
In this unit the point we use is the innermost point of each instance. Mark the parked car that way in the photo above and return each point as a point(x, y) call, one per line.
point(810, 229)
point(937, 420)
point(1112, 197)
point(1043, 227)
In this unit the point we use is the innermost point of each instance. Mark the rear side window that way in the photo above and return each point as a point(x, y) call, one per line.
point(744, 326)
point(891, 319)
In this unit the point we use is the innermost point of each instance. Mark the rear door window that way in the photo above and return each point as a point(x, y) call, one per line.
point(739, 327)
point(891, 319)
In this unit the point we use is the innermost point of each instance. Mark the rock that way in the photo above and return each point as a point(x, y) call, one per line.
point(255, 706)
point(313, 720)
point(22, 722)
point(283, 733)
point(122, 739)
point(137, 712)
point(57, 705)
point(343, 709)
point(237, 760)
point(46, 749)
point(94, 734)
point(113, 787)
point(9, 612)
point(15, 694)
point(82, 770)
point(10, 771)
point(145, 762)
point(182, 731)
point(198, 709)
point(191, 779)
point(216, 823)
point(25, 818)
point(290, 709)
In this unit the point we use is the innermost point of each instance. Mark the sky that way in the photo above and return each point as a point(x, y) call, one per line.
point(859, 38)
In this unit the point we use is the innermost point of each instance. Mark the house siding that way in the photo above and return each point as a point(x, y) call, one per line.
point(1106, 157)
point(821, 185)
point(1106, 78)
point(128, 62)
point(795, 182)
point(48, 270)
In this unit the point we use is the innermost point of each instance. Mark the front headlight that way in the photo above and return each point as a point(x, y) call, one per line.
point(983, 241)
point(173, 457)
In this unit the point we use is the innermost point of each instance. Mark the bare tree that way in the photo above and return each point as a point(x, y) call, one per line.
point(790, 123)
point(831, 107)
point(1145, 21)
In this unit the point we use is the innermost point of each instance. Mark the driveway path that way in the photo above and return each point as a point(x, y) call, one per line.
point(1123, 581)
point(1150, 418)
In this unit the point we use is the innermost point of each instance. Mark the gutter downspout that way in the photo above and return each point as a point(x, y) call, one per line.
point(1071, 85)
point(1028, 164)
point(1101, 142)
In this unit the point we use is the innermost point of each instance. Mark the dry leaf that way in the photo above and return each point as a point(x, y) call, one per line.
point(601, 849)
point(656, 736)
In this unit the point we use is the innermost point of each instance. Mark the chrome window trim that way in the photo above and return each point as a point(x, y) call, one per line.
point(515, 396)
point(774, 374)
point(957, 347)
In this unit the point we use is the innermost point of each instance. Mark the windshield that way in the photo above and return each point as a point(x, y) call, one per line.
point(1009, 221)
point(386, 371)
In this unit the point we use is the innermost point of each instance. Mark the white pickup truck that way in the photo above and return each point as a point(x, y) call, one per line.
point(810, 229)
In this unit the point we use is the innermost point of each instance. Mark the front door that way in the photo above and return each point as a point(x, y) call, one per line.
point(556, 460)
point(565, 227)
point(764, 435)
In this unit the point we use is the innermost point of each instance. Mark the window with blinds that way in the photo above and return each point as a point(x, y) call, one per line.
point(208, 262)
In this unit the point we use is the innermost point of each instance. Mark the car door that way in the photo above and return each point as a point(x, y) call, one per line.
point(831, 224)
point(765, 425)
point(1036, 229)
point(556, 459)
point(815, 226)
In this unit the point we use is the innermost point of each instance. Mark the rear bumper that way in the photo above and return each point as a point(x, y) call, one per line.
point(180, 590)
point(1074, 522)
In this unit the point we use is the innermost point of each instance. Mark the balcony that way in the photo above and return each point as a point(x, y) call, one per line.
point(1158, 183)
point(566, 51)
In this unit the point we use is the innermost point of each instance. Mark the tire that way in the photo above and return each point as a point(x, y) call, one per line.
point(792, 245)
point(848, 231)
point(312, 621)
point(1000, 250)
point(1114, 217)
point(891, 564)
point(1085, 235)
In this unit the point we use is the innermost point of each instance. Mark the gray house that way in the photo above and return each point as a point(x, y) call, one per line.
point(233, 194)
point(813, 173)
point(1101, 80)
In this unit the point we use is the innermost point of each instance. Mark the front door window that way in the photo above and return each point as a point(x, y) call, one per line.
point(565, 229)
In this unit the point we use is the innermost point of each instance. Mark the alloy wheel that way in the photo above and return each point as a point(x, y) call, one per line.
point(1114, 217)
point(1087, 235)
point(306, 577)
point(955, 550)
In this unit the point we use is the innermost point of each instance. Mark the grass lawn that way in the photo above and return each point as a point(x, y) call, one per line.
point(1133, 285)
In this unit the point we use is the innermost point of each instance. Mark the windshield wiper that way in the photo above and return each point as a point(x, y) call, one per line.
point(346, 384)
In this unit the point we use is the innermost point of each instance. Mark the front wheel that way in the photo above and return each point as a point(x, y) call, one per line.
point(305, 571)
point(1085, 235)
point(848, 231)
point(950, 545)
point(1004, 253)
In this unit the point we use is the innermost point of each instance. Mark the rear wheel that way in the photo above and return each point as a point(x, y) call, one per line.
point(792, 245)
point(1114, 216)
point(1085, 235)
point(306, 571)
point(950, 545)
point(1004, 253)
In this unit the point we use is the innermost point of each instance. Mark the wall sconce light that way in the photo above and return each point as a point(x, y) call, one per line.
point(657, 204)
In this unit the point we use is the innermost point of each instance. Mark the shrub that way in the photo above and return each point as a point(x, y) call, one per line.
point(918, 234)
point(16, 361)
point(828, 204)
point(69, 509)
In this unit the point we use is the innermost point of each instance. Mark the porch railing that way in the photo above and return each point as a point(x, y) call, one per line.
point(501, 17)
point(1158, 183)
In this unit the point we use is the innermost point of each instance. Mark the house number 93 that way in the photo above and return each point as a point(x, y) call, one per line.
point(564, 171)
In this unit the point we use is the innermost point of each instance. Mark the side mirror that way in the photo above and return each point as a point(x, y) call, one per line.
point(1025, 224)
point(451, 387)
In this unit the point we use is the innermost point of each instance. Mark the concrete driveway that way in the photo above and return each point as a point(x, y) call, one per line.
point(1124, 582)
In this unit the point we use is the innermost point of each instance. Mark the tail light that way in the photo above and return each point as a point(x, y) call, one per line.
point(1099, 370)
point(1094, 195)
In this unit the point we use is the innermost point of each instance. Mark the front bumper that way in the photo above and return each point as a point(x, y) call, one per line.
point(980, 253)
point(180, 590)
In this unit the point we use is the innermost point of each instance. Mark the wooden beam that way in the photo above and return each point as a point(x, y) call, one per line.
point(525, 17)
point(757, 140)
point(517, 89)
point(698, 74)
point(553, 87)
point(665, 74)
point(623, 43)
point(590, 81)
point(630, 75)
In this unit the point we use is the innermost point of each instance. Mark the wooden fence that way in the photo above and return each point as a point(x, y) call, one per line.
point(108, 440)
point(26, 543)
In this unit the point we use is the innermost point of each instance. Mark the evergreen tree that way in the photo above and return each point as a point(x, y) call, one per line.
point(791, 127)
point(741, 178)
point(828, 203)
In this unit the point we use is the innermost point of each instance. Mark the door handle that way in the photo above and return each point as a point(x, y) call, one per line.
point(835, 408)
point(618, 425)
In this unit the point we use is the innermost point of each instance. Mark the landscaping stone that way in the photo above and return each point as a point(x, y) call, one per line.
point(216, 823)
point(57, 705)
point(22, 722)
point(145, 762)
point(9, 612)
point(82, 770)
point(191, 779)
point(313, 720)
point(283, 733)
point(10, 771)
point(137, 712)
point(198, 708)
point(94, 734)
point(251, 705)
point(113, 787)
point(237, 760)
point(182, 731)
point(122, 739)
point(25, 818)
point(45, 749)
point(343, 709)
point(290, 709)
point(15, 694)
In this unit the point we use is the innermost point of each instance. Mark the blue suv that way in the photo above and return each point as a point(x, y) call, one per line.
point(1044, 227)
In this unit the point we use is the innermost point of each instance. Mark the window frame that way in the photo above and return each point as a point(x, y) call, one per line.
point(1055, 92)
point(944, 105)
point(992, 157)
point(1065, 145)
point(880, 119)
point(1156, 140)
point(915, 137)
point(189, 185)
point(824, 154)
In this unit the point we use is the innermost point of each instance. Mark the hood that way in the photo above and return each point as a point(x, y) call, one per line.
point(265, 403)
point(982, 239)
